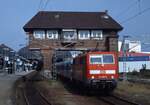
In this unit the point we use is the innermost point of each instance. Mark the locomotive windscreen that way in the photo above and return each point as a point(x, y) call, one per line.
point(108, 59)
point(101, 59)
point(96, 59)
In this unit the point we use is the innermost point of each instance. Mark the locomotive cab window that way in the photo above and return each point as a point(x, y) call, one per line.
point(102, 59)
point(108, 59)
point(96, 59)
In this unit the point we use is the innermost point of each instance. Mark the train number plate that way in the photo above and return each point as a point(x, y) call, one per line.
point(102, 71)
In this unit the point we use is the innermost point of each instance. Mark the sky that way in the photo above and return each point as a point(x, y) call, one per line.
point(133, 15)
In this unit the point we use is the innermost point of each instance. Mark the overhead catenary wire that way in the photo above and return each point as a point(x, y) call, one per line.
point(42, 5)
point(128, 8)
point(139, 2)
point(39, 5)
point(46, 3)
point(134, 16)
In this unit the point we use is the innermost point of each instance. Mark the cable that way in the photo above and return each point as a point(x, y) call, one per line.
point(139, 13)
point(46, 4)
point(39, 6)
point(139, 2)
point(128, 8)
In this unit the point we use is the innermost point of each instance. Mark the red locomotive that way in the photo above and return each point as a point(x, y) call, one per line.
point(94, 70)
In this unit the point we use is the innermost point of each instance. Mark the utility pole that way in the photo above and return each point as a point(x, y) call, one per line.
point(124, 50)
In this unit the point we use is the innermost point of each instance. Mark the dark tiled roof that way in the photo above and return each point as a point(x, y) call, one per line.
point(3, 46)
point(73, 20)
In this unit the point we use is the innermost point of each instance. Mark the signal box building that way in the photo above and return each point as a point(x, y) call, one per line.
point(48, 31)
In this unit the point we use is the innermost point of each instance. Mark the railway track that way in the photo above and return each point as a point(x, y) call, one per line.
point(115, 100)
point(32, 96)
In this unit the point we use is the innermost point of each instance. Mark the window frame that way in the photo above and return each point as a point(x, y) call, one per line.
point(113, 62)
point(102, 58)
point(68, 37)
point(97, 36)
point(36, 34)
point(54, 36)
point(95, 56)
point(83, 38)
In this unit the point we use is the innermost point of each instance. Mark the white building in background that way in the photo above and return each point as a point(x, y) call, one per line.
point(135, 46)
point(135, 58)
point(134, 63)
point(132, 46)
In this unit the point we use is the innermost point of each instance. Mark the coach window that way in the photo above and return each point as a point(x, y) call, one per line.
point(84, 34)
point(39, 34)
point(52, 34)
point(97, 34)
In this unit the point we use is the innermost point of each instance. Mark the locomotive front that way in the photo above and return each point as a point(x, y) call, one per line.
point(102, 70)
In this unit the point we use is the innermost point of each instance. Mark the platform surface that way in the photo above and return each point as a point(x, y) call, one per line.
point(6, 85)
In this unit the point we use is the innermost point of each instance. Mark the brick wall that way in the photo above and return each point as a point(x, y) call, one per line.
point(109, 43)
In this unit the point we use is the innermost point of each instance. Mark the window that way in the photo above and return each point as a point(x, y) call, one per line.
point(84, 34)
point(39, 34)
point(53, 34)
point(97, 34)
point(108, 59)
point(96, 59)
point(69, 34)
point(101, 59)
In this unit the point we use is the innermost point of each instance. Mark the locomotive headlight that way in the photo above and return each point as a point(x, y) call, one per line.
point(112, 77)
point(93, 77)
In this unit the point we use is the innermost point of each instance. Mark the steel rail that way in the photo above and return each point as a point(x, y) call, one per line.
point(26, 99)
point(115, 100)
point(31, 97)
point(44, 98)
point(125, 100)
